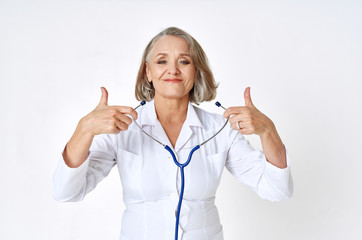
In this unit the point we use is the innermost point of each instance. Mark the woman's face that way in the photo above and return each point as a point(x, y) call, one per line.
point(170, 68)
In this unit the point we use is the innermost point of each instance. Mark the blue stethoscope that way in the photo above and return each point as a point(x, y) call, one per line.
point(181, 166)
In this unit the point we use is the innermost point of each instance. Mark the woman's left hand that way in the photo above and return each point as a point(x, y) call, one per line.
point(248, 119)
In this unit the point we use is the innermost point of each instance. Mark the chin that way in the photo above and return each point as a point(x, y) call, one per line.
point(175, 95)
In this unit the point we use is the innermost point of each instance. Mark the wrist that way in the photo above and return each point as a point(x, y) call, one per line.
point(83, 128)
point(269, 131)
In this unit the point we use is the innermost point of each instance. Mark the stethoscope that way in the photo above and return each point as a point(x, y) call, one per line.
point(181, 166)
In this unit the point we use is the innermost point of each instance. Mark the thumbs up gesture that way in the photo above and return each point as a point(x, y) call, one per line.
point(107, 119)
point(248, 119)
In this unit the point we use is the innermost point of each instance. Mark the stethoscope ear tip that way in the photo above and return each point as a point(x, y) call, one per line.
point(141, 104)
point(219, 105)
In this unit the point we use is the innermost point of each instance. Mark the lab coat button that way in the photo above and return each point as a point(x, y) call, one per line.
point(173, 195)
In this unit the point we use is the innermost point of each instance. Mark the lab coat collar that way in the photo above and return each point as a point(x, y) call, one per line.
point(192, 119)
point(150, 118)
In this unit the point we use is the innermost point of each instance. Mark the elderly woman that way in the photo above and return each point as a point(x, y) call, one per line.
point(173, 74)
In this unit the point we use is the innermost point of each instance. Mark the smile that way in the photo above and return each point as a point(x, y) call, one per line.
point(173, 80)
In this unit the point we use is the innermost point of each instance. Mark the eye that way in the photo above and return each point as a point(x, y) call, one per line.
point(161, 62)
point(184, 62)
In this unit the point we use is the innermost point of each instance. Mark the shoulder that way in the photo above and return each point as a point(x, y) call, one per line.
point(213, 123)
point(209, 120)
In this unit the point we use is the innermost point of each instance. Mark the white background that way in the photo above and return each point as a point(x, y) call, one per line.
point(302, 60)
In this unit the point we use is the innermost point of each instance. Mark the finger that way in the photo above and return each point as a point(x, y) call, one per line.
point(127, 110)
point(240, 118)
point(239, 125)
point(121, 125)
point(104, 97)
point(245, 131)
point(235, 111)
point(112, 127)
point(123, 118)
point(247, 97)
point(242, 128)
point(247, 128)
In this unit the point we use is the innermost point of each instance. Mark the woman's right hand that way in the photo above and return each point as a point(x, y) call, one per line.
point(107, 119)
point(103, 119)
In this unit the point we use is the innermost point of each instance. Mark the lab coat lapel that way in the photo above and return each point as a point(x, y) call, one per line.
point(150, 119)
point(192, 120)
point(186, 132)
point(164, 162)
point(184, 136)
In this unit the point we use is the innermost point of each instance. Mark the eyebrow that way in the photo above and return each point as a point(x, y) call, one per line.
point(182, 54)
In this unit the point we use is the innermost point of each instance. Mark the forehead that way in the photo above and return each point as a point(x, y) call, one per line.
point(170, 44)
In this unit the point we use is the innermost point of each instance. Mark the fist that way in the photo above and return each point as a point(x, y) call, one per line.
point(248, 119)
point(107, 119)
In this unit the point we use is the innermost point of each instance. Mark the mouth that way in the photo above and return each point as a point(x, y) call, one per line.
point(173, 80)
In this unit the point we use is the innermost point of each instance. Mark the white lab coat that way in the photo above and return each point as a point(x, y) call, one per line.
point(151, 180)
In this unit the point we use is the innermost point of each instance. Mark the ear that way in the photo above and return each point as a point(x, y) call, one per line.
point(148, 72)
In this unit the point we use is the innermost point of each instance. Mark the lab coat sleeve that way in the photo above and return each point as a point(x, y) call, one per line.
point(72, 184)
point(250, 167)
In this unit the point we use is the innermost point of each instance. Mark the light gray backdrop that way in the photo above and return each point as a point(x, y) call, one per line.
point(302, 60)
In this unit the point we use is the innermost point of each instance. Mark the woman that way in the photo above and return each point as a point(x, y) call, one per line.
point(174, 72)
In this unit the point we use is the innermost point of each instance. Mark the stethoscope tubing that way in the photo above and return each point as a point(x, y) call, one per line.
point(181, 166)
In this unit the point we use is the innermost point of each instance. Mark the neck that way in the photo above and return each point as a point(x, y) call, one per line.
point(171, 110)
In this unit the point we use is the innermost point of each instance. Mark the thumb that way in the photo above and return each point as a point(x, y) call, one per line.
point(104, 98)
point(247, 97)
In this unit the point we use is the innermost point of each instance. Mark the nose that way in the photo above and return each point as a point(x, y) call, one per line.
point(173, 68)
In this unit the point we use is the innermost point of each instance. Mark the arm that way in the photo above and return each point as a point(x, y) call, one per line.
point(90, 153)
point(103, 119)
point(267, 172)
point(249, 120)
point(77, 149)
point(250, 167)
point(273, 147)
point(72, 184)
